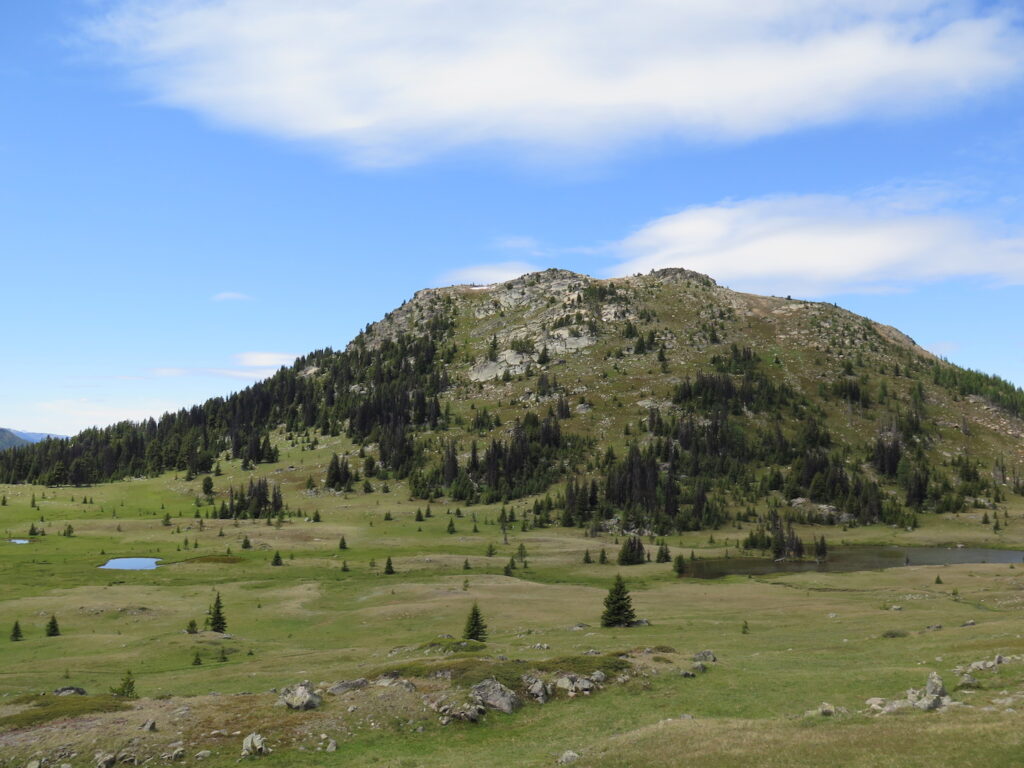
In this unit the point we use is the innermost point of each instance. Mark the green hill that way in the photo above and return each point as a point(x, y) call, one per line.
point(10, 440)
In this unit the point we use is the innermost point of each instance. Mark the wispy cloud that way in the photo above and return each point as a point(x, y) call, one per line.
point(264, 359)
point(394, 81)
point(487, 273)
point(230, 296)
point(815, 245)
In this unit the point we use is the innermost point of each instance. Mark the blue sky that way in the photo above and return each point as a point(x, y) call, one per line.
point(192, 193)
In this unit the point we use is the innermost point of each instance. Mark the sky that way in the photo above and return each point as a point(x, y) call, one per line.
point(194, 192)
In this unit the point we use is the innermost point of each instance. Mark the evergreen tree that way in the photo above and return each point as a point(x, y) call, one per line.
point(451, 526)
point(465, 565)
point(618, 606)
point(679, 565)
point(475, 629)
point(586, 556)
point(344, 565)
point(664, 556)
point(52, 628)
point(192, 628)
point(246, 544)
point(632, 552)
point(218, 623)
point(16, 633)
point(603, 557)
point(126, 689)
point(389, 569)
point(342, 544)
point(277, 559)
point(196, 660)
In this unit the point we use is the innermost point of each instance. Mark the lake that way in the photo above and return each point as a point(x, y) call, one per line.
point(18, 541)
point(131, 563)
point(842, 559)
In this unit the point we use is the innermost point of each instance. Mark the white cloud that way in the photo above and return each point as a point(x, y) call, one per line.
point(392, 81)
point(70, 416)
point(815, 245)
point(230, 296)
point(488, 273)
point(271, 360)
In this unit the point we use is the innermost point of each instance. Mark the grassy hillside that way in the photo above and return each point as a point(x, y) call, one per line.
point(784, 642)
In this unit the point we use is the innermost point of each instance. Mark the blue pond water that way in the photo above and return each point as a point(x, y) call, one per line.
point(131, 563)
point(19, 541)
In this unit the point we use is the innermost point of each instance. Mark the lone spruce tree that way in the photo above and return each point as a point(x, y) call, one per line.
point(389, 569)
point(16, 633)
point(475, 629)
point(52, 627)
point(277, 559)
point(218, 623)
point(618, 606)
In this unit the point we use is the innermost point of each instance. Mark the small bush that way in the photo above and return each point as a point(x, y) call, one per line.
point(894, 633)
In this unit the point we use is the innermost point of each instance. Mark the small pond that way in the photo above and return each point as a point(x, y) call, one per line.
point(131, 563)
point(19, 541)
point(842, 559)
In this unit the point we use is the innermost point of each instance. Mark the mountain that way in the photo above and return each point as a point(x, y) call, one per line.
point(655, 402)
point(35, 437)
point(11, 439)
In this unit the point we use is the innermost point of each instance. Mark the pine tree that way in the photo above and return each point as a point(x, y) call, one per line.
point(618, 606)
point(603, 557)
point(586, 556)
point(664, 556)
point(16, 633)
point(196, 660)
point(451, 526)
point(679, 565)
point(277, 559)
point(126, 689)
point(192, 628)
point(389, 569)
point(246, 544)
point(465, 564)
point(475, 629)
point(218, 623)
point(344, 565)
point(52, 628)
point(632, 552)
point(342, 544)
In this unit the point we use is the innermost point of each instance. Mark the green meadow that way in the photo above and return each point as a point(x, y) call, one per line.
point(810, 637)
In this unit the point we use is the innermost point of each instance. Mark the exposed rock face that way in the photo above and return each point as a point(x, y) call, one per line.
point(568, 757)
point(705, 656)
point(494, 695)
point(344, 686)
point(934, 686)
point(70, 690)
point(299, 696)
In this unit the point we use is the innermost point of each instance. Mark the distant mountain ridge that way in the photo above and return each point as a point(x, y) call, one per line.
point(10, 439)
point(34, 437)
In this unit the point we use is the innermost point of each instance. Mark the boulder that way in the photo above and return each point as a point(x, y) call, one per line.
point(149, 726)
point(687, 673)
point(493, 694)
point(299, 696)
point(343, 686)
point(876, 704)
point(70, 690)
point(253, 745)
point(700, 666)
point(332, 746)
point(105, 759)
point(928, 702)
point(897, 706)
point(568, 757)
point(968, 681)
point(598, 677)
point(934, 686)
point(825, 710)
point(203, 754)
point(705, 656)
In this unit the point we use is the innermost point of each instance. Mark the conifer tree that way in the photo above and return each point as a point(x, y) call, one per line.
point(632, 552)
point(679, 565)
point(277, 559)
point(192, 628)
point(664, 556)
point(218, 622)
point(342, 544)
point(451, 526)
point(196, 660)
point(586, 556)
point(465, 565)
point(16, 633)
point(127, 687)
point(246, 544)
point(475, 629)
point(389, 569)
point(603, 557)
point(52, 627)
point(618, 606)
